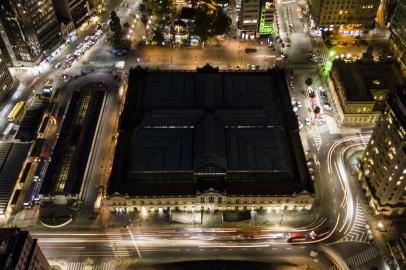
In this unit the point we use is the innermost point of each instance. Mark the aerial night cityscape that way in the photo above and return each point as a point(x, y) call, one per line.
point(203, 134)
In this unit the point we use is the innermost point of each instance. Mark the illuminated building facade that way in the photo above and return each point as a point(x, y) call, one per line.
point(344, 16)
point(267, 18)
point(28, 30)
point(359, 90)
point(249, 15)
point(257, 16)
point(383, 166)
point(6, 80)
point(18, 251)
point(397, 40)
point(77, 11)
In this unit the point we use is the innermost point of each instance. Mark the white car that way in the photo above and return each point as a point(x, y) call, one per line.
point(295, 109)
point(326, 106)
point(299, 104)
point(300, 125)
point(307, 121)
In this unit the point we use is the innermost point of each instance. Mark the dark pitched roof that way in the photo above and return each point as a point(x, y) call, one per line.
point(12, 157)
point(189, 122)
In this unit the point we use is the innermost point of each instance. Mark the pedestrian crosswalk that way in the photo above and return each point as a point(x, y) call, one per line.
point(82, 217)
point(76, 266)
point(314, 134)
point(359, 231)
point(26, 217)
point(363, 257)
point(117, 243)
point(86, 266)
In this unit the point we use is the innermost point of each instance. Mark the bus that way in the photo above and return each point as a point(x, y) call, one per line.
point(16, 111)
point(98, 201)
point(7, 131)
point(296, 236)
point(29, 196)
point(40, 171)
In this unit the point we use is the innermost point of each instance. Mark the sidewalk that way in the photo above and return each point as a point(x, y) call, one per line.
point(286, 220)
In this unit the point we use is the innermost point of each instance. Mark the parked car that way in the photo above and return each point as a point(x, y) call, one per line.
point(327, 106)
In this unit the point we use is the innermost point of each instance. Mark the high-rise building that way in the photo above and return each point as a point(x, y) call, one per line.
point(257, 16)
point(77, 11)
point(28, 29)
point(383, 166)
point(249, 15)
point(6, 80)
point(345, 16)
point(18, 251)
point(397, 40)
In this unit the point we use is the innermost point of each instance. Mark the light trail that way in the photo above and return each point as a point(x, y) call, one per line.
point(135, 244)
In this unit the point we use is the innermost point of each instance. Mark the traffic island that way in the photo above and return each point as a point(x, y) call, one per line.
point(54, 216)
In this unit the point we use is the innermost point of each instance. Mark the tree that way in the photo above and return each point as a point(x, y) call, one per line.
point(202, 23)
point(221, 23)
point(115, 25)
point(158, 37)
point(309, 81)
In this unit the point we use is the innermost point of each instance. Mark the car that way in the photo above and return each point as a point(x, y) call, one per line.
point(257, 67)
point(295, 108)
point(57, 66)
point(248, 66)
point(299, 104)
point(307, 121)
point(311, 54)
point(230, 66)
point(250, 50)
point(237, 67)
point(300, 125)
point(327, 106)
point(253, 67)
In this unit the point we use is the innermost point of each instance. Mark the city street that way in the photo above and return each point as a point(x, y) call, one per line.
point(347, 245)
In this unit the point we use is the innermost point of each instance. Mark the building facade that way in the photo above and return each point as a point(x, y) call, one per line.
point(397, 40)
point(249, 16)
point(383, 166)
point(359, 90)
point(6, 80)
point(344, 16)
point(28, 30)
point(210, 200)
point(76, 11)
point(18, 251)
